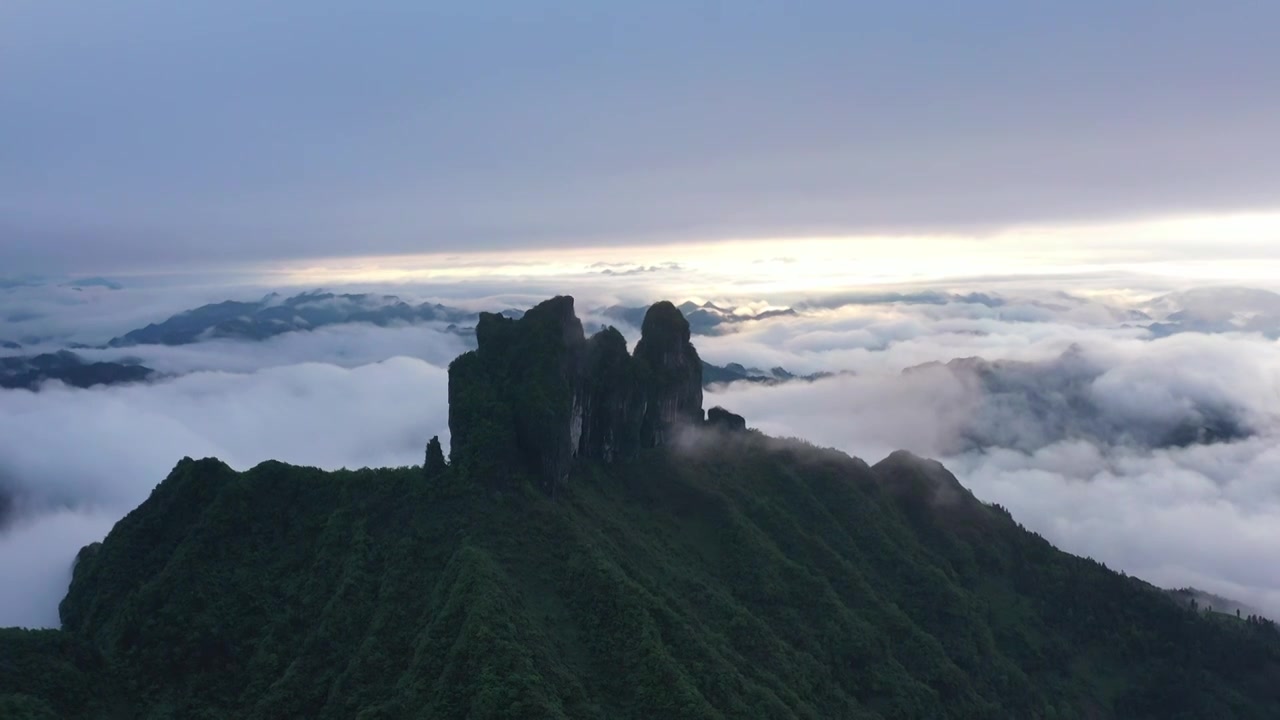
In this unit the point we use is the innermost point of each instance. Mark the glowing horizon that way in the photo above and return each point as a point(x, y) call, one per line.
point(1173, 248)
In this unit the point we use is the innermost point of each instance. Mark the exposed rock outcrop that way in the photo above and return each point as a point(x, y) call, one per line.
point(433, 464)
point(614, 402)
point(515, 401)
point(674, 388)
point(718, 417)
point(536, 393)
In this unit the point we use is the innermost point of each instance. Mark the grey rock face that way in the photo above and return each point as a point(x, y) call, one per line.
point(535, 393)
point(613, 399)
point(512, 400)
point(674, 386)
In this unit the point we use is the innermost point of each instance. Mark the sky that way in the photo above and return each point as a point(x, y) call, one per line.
point(143, 135)
point(1037, 241)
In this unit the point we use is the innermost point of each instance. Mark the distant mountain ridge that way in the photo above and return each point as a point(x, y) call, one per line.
point(706, 318)
point(275, 315)
point(1207, 310)
point(1217, 310)
point(1059, 395)
point(29, 372)
point(736, 372)
point(1204, 310)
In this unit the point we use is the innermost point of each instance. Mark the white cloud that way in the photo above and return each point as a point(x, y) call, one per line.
point(74, 457)
point(58, 314)
point(1078, 449)
point(35, 564)
point(347, 345)
point(1078, 452)
point(1207, 516)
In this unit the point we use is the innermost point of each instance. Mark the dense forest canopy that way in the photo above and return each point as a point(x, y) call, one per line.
point(696, 570)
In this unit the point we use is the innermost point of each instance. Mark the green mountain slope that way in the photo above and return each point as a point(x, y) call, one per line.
point(597, 550)
point(745, 577)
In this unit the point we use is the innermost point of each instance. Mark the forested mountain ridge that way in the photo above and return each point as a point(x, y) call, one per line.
point(29, 372)
point(706, 572)
point(275, 315)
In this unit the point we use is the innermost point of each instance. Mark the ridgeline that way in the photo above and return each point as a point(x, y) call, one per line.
point(596, 548)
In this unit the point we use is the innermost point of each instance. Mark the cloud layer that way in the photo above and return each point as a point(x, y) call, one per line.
point(1155, 452)
point(74, 461)
point(1156, 456)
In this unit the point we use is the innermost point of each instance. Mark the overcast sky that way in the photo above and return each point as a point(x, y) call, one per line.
point(158, 134)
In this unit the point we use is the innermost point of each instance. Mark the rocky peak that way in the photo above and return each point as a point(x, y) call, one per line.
point(613, 399)
point(433, 463)
point(514, 400)
point(536, 393)
point(664, 326)
point(674, 388)
point(718, 417)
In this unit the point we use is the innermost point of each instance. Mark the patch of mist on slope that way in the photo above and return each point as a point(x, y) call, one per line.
point(345, 345)
point(75, 460)
point(1161, 458)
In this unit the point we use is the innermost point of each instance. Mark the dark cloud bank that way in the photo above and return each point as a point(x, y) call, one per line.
point(1145, 434)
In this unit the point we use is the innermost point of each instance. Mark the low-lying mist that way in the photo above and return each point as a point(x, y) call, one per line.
point(1160, 457)
point(74, 461)
point(1144, 434)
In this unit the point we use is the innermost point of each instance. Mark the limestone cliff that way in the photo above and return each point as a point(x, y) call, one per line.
point(674, 388)
point(613, 400)
point(514, 402)
point(536, 393)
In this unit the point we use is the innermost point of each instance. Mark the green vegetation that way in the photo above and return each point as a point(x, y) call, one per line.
point(594, 549)
point(536, 393)
point(511, 399)
point(434, 463)
point(748, 577)
point(30, 371)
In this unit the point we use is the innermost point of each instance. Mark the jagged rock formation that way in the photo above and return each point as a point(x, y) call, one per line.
point(718, 417)
point(536, 393)
point(515, 401)
point(275, 315)
point(675, 384)
point(434, 463)
point(614, 402)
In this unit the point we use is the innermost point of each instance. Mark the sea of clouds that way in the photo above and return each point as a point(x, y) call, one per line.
point(1156, 451)
point(1158, 455)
